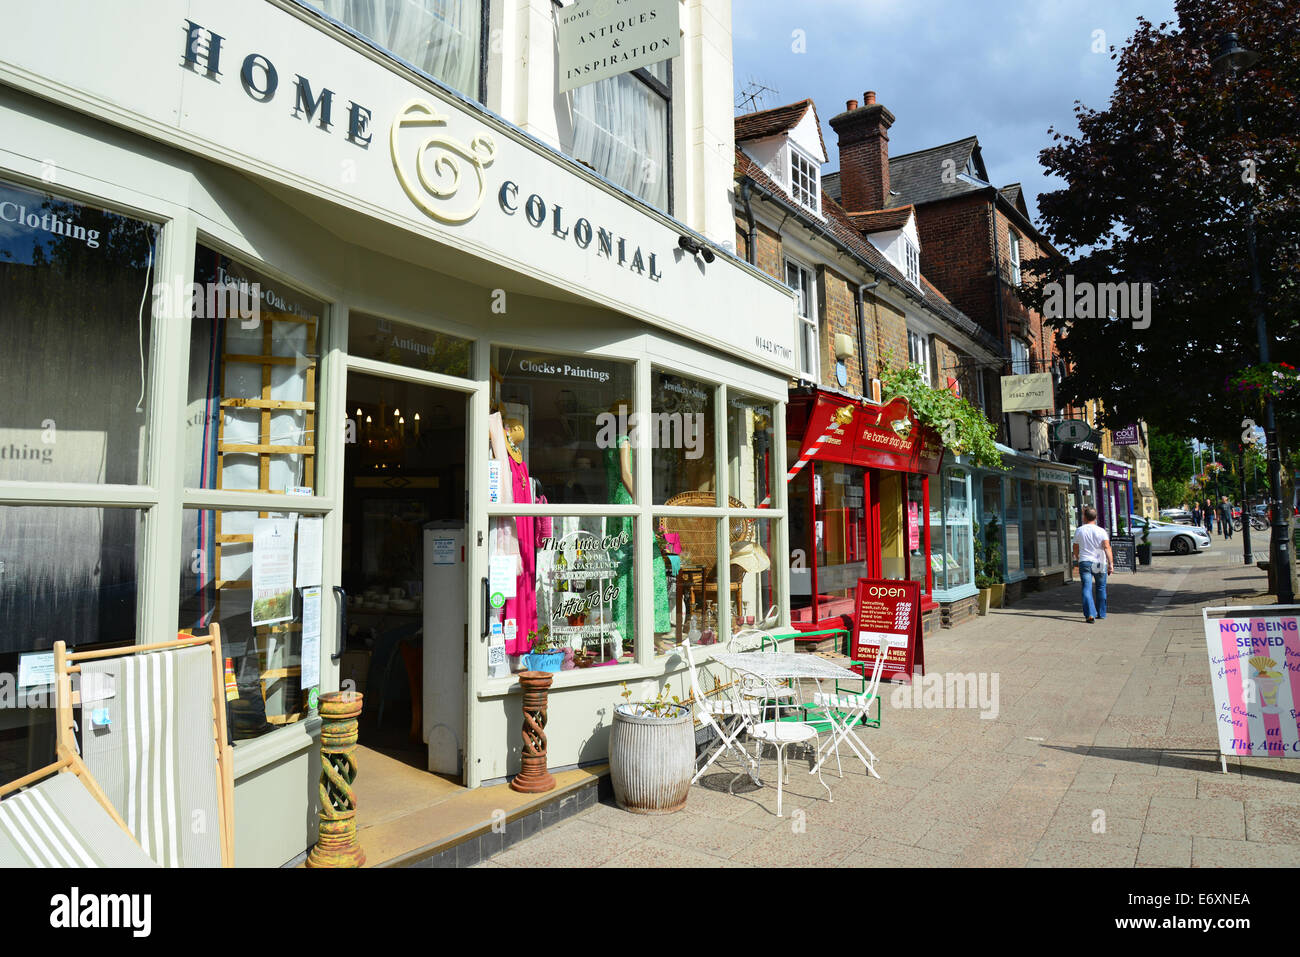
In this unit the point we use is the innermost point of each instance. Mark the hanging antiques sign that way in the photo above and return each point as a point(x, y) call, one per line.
point(1027, 393)
point(598, 39)
point(887, 614)
point(1254, 668)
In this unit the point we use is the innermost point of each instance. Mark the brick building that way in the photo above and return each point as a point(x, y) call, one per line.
point(864, 303)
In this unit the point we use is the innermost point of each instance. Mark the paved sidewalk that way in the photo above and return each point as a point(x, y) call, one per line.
point(1103, 752)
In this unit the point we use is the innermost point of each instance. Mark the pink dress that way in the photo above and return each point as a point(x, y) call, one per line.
point(523, 607)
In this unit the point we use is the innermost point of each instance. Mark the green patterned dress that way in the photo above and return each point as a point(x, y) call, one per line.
point(623, 556)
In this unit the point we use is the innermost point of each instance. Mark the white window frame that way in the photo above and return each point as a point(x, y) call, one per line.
point(918, 354)
point(1020, 364)
point(806, 314)
point(912, 262)
point(1014, 252)
point(813, 174)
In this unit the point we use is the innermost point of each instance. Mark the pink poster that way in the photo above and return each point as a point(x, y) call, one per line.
point(1254, 664)
point(913, 527)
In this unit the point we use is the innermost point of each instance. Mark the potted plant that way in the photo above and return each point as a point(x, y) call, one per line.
point(651, 754)
point(547, 651)
point(982, 580)
point(1144, 548)
point(993, 562)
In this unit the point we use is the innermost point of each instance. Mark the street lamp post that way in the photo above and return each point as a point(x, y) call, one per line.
point(1231, 59)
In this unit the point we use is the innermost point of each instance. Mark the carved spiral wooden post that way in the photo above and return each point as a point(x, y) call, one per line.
point(533, 778)
point(337, 845)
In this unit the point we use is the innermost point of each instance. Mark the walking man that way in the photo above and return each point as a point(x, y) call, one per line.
point(1207, 513)
point(1225, 517)
point(1096, 560)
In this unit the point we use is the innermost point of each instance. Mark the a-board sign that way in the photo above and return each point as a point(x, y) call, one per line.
point(1255, 677)
point(1124, 548)
point(887, 613)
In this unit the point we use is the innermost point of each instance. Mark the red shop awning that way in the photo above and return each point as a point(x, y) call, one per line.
point(885, 436)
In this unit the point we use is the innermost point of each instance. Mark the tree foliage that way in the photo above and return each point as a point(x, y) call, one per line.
point(1156, 192)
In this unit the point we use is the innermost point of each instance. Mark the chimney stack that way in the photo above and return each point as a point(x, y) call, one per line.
point(864, 154)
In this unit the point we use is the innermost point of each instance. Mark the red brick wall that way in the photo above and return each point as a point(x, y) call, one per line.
point(838, 314)
point(957, 255)
point(768, 245)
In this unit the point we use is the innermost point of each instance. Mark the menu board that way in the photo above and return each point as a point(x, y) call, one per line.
point(1124, 548)
point(1254, 669)
point(887, 613)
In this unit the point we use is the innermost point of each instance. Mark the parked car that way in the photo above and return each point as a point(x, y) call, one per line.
point(1179, 515)
point(1171, 537)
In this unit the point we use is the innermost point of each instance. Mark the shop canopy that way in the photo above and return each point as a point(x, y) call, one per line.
point(836, 428)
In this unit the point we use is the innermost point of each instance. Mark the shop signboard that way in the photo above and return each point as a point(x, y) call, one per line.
point(887, 614)
point(1055, 476)
point(598, 39)
point(1118, 473)
point(1254, 656)
point(1072, 431)
point(1124, 548)
point(1027, 393)
point(884, 437)
point(1126, 436)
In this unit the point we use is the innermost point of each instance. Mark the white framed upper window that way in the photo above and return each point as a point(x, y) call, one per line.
point(1014, 251)
point(912, 260)
point(918, 353)
point(805, 180)
point(799, 278)
point(1019, 357)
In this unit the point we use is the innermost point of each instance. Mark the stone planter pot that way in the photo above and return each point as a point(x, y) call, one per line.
point(986, 595)
point(996, 594)
point(651, 760)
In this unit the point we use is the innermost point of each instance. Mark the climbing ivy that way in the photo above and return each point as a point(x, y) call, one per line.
point(963, 428)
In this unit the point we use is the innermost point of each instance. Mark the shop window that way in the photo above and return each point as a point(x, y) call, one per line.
point(953, 566)
point(681, 434)
point(563, 586)
point(800, 509)
point(371, 337)
point(842, 533)
point(1028, 532)
point(75, 307)
point(1011, 527)
point(253, 380)
point(621, 130)
point(914, 521)
point(257, 575)
point(1046, 555)
point(751, 436)
point(443, 38)
point(571, 421)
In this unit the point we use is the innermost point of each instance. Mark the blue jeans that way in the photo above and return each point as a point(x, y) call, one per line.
point(1091, 572)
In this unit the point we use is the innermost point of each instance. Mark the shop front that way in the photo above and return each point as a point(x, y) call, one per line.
point(396, 395)
point(861, 503)
point(1114, 494)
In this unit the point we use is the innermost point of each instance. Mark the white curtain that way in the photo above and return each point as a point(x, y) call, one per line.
point(620, 128)
point(440, 37)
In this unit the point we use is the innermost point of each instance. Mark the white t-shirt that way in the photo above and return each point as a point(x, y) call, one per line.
point(1092, 539)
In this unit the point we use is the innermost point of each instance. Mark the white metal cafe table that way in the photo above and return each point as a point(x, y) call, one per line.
point(774, 666)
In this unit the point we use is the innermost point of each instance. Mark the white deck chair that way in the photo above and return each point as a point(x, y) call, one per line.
point(844, 711)
point(729, 717)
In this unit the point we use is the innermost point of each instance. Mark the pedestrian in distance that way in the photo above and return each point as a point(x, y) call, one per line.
point(1095, 560)
point(1225, 517)
point(1208, 514)
point(1196, 513)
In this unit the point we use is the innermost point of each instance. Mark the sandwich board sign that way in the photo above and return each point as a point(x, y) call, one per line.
point(1255, 676)
point(887, 614)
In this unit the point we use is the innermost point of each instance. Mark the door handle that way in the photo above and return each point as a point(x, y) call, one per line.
point(343, 623)
point(485, 609)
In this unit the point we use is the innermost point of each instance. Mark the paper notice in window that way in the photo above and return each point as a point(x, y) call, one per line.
point(272, 570)
point(310, 534)
point(501, 576)
point(311, 637)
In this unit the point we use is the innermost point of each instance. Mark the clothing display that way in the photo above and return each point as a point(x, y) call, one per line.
point(619, 495)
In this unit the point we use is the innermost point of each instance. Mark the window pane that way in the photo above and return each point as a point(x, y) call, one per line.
point(400, 343)
point(440, 37)
point(620, 129)
point(842, 545)
point(576, 435)
point(687, 549)
point(750, 445)
point(219, 550)
point(682, 425)
point(75, 304)
point(254, 352)
point(916, 530)
point(567, 590)
point(957, 539)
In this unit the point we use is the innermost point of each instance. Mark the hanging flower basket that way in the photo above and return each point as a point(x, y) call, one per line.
point(1276, 380)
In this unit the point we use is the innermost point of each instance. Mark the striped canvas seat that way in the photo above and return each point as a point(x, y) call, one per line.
point(155, 757)
point(57, 823)
point(726, 706)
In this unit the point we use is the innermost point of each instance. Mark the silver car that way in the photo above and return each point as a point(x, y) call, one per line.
point(1169, 537)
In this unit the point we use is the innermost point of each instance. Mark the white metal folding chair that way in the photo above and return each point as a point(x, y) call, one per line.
point(729, 717)
point(753, 688)
point(843, 712)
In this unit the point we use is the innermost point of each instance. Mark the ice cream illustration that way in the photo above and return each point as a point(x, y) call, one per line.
point(1266, 681)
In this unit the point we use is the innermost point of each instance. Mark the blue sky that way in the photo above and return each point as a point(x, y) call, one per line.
point(1003, 71)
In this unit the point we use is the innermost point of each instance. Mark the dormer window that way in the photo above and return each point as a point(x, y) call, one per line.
point(970, 167)
point(805, 181)
point(912, 257)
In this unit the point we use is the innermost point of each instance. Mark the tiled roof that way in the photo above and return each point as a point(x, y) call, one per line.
point(882, 220)
point(919, 177)
point(779, 119)
point(841, 229)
